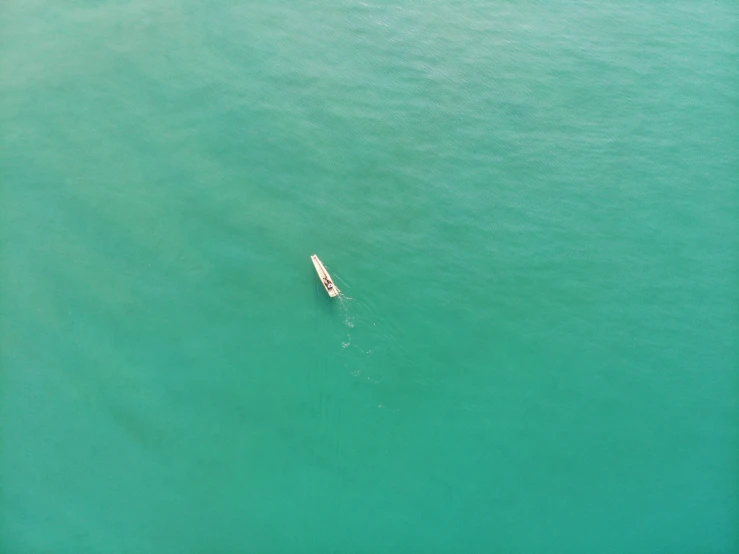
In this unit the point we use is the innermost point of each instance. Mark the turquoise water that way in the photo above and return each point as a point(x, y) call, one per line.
point(530, 208)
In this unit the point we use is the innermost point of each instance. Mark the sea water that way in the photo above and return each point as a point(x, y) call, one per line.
point(530, 209)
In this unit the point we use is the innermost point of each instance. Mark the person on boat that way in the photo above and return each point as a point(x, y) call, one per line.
point(329, 285)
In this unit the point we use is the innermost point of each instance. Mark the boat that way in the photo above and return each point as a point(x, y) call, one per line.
point(325, 278)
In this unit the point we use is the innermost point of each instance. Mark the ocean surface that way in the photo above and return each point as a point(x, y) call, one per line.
point(531, 209)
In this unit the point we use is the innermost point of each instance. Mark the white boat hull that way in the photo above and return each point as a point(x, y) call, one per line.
point(323, 275)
